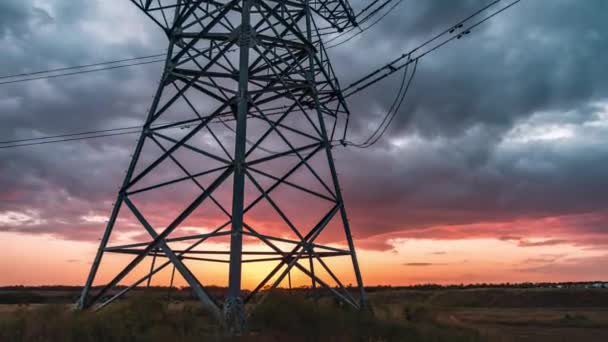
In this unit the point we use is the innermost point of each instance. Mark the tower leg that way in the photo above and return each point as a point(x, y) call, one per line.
point(332, 168)
point(234, 308)
point(84, 296)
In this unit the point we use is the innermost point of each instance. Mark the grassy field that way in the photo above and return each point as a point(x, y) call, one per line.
point(398, 315)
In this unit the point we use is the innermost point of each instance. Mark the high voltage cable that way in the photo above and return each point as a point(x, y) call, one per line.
point(80, 72)
point(392, 69)
point(374, 12)
point(68, 139)
point(365, 144)
point(391, 113)
point(378, 9)
point(457, 31)
point(77, 67)
point(60, 72)
point(367, 7)
point(367, 27)
point(113, 132)
point(81, 66)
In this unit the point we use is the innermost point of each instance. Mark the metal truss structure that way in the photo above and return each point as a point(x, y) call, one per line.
point(245, 115)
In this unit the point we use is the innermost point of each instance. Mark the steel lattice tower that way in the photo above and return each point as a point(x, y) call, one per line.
point(248, 105)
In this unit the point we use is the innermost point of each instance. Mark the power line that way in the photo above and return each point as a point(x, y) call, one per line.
point(117, 131)
point(389, 117)
point(26, 77)
point(367, 7)
point(370, 15)
point(367, 27)
point(391, 113)
point(68, 139)
point(62, 73)
point(378, 9)
point(381, 129)
point(80, 72)
point(457, 31)
point(26, 74)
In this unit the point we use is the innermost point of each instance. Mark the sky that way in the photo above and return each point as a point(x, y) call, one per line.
point(493, 170)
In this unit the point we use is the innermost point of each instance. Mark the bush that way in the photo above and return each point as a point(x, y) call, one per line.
point(418, 313)
point(139, 320)
point(281, 317)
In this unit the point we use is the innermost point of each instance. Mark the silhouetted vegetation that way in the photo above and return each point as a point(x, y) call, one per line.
point(280, 318)
point(444, 314)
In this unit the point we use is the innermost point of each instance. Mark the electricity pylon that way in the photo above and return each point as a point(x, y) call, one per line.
point(248, 95)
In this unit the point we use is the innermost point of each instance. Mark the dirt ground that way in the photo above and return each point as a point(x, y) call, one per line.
point(531, 324)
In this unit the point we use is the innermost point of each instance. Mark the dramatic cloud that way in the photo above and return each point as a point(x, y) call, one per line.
point(501, 136)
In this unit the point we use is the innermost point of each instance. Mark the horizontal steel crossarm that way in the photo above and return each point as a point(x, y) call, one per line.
point(295, 242)
point(304, 255)
point(175, 239)
point(183, 73)
point(201, 259)
point(198, 252)
point(287, 87)
point(207, 36)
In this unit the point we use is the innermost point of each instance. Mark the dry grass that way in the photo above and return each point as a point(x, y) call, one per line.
point(402, 315)
point(280, 318)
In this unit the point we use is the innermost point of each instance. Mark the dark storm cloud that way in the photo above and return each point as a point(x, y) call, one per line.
point(456, 154)
point(459, 163)
point(518, 64)
point(60, 183)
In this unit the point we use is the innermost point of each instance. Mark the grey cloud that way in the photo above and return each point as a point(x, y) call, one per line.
point(455, 166)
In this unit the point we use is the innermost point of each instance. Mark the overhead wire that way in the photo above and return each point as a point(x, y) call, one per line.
point(391, 69)
point(367, 27)
point(362, 21)
point(80, 72)
point(380, 130)
point(391, 113)
point(114, 132)
point(33, 73)
point(67, 71)
point(370, 5)
point(457, 31)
